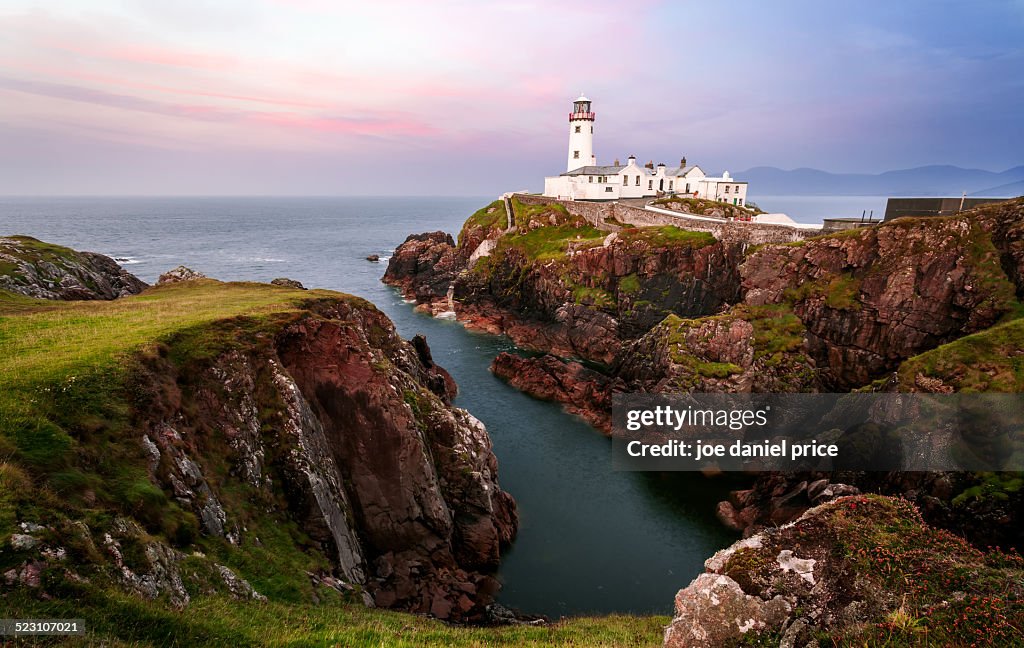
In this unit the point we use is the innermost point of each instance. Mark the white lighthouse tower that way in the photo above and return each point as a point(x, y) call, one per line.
point(581, 135)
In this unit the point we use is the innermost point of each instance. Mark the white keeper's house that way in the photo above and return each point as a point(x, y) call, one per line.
point(584, 179)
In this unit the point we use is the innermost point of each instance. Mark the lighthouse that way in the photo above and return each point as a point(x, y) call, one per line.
point(581, 135)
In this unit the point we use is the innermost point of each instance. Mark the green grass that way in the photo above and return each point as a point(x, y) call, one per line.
point(667, 236)
point(527, 214)
point(116, 619)
point(841, 292)
point(675, 330)
point(551, 243)
point(34, 250)
point(989, 361)
point(492, 215)
point(1000, 486)
point(51, 341)
point(629, 284)
point(596, 297)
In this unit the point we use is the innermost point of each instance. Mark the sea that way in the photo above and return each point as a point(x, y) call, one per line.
point(591, 540)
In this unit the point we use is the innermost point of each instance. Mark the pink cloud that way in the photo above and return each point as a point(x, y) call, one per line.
point(136, 53)
point(375, 126)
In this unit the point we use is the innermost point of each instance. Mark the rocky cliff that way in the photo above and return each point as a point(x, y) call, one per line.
point(249, 439)
point(37, 269)
point(913, 305)
point(558, 284)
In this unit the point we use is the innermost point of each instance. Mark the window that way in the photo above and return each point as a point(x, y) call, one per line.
point(590, 179)
point(687, 187)
point(575, 155)
point(638, 181)
point(591, 130)
point(577, 129)
point(607, 189)
point(650, 184)
point(726, 188)
point(670, 185)
point(741, 202)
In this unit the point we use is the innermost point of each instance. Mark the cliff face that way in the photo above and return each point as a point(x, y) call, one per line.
point(873, 298)
point(37, 269)
point(913, 305)
point(830, 313)
point(296, 442)
point(560, 285)
point(421, 474)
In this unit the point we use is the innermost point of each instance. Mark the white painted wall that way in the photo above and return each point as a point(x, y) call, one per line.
point(581, 142)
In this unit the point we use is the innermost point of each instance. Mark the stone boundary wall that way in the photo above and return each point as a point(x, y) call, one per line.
point(597, 212)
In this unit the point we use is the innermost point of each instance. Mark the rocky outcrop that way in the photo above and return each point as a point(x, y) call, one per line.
point(423, 266)
point(748, 349)
point(36, 269)
point(288, 283)
point(354, 426)
point(860, 570)
point(557, 284)
point(880, 295)
point(584, 392)
point(176, 275)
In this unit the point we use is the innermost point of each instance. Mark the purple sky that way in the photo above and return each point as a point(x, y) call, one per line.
point(465, 97)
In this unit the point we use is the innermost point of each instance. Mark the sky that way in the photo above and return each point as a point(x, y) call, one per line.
point(464, 97)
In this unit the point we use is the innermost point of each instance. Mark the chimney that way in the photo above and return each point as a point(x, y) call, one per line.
point(682, 163)
point(617, 162)
point(649, 165)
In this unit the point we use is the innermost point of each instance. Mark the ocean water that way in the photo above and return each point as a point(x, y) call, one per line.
point(591, 540)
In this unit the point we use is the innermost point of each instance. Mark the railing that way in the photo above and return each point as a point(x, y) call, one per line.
point(580, 116)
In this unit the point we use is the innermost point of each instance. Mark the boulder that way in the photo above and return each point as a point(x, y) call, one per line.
point(714, 610)
point(288, 283)
point(181, 273)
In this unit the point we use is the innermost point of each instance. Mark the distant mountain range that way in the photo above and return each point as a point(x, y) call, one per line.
point(936, 180)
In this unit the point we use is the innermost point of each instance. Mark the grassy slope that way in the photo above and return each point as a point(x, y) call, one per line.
point(64, 378)
point(218, 621)
point(989, 361)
